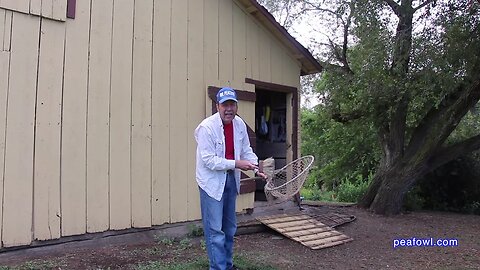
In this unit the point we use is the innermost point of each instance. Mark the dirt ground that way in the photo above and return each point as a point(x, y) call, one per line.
point(372, 247)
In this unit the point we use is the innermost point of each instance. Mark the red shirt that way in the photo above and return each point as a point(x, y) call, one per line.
point(228, 132)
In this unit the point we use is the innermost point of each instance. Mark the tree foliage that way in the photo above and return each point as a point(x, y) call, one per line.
point(402, 79)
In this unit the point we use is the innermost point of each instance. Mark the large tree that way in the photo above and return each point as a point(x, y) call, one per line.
point(409, 67)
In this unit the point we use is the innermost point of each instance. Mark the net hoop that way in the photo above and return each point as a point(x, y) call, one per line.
point(279, 187)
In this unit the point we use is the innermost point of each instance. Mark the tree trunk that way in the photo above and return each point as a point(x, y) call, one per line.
point(395, 183)
point(372, 191)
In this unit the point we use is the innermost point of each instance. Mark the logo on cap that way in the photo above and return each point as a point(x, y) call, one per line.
point(225, 94)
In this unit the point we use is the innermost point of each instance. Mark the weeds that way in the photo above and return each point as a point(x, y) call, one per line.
point(194, 230)
point(35, 265)
point(242, 262)
point(184, 244)
point(165, 240)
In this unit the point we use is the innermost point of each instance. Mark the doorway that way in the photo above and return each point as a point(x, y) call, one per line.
point(270, 130)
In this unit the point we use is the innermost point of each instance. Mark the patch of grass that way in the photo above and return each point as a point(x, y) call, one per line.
point(184, 244)
point(154, 251)
point(162, 239)
point(245, 263)
point(36, 265)
point(242, 262)
point(314, 194)
point(201, 263)
point(194, 230)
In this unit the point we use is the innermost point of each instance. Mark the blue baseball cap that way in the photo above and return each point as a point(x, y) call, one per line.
point(226, 93)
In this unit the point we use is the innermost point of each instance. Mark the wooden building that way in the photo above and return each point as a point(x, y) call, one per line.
point(99, 100)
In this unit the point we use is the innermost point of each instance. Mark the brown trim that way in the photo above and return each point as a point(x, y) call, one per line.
point(241, 94)
point(71, 7)
point(247, 186)
point(252, 137)
point(295, 109)
point(271, 86)
point(295, 125)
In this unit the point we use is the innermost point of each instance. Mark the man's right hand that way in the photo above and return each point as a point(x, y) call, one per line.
point(245, 165)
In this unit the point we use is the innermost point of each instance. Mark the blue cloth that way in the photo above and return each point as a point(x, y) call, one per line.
point(220, 224)
point(225, 94)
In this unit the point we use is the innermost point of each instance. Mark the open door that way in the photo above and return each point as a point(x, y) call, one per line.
point(276, 126)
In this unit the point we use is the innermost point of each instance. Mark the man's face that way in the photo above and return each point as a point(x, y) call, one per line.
point(227, 111)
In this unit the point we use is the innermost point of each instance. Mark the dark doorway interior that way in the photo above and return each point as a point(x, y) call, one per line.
point(270, 130)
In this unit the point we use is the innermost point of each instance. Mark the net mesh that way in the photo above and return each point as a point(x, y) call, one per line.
point(287, 181)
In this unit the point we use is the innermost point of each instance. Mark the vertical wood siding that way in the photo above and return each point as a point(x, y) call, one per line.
point(225, 40)
point(4, 68)
point(98, 129)
point(18, 182)
point(210, 49)
point(161, 112)
point(195, 99)
point(179, 112)
point(265, 50)
point(239, 30)
point(253, 66)
point(35, 7)
point(104, 140)
point(142, 114)
point(16, 5)
point(74, 123)
point(6, 29)
point(46, 184)
point(120, 115)
point(52, 9)
point(4, 78)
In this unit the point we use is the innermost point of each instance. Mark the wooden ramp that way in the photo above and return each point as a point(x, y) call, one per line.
point(306, 230)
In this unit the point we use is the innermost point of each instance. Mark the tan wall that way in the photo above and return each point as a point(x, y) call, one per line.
point(52, 9)
point(97, 113)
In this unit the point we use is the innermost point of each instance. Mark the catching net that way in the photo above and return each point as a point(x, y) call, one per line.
point(284, 183)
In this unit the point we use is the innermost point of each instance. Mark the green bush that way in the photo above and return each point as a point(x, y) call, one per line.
point(414, 200)
point(349, 191)
point(316, 194)
point(454, 187)
point(472, 208)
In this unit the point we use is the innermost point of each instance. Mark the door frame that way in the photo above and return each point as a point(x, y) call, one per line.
point(266, 86)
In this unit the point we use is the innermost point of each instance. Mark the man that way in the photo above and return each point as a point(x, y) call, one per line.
point(223, 149)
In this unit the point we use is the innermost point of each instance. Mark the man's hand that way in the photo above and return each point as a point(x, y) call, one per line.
point(263, 175)
point(245, 165)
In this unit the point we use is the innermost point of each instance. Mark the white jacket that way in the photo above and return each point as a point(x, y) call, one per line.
point(212, 166)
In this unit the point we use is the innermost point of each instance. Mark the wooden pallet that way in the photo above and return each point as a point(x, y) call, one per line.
point(306, 230)
point(333, 219)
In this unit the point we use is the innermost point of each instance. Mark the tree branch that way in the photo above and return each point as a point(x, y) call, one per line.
point(345, 36)
point(422, 5)
point(395, 7)
point(336, 68)
point(319, 8)
point(440, 121)
point(454, 151)
point(346, 117)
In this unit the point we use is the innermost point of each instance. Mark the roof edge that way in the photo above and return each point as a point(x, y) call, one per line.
point(309, 64)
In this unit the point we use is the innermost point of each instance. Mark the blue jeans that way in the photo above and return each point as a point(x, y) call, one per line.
point(220, 224)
